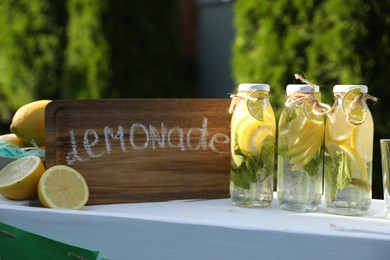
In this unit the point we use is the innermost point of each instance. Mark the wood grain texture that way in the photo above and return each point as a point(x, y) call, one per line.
point(138, 150)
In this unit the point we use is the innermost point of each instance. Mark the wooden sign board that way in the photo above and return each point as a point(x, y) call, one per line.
point(137, 150)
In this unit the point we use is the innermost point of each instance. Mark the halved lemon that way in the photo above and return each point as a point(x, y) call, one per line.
point(19, 179)
point(255, 104)
point(63, 187)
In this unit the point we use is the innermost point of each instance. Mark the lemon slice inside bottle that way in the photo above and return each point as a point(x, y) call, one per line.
point(349, 97)
point(255, 104)
point(251, 142)
point(362, 139)
point(339, 130)
point(306, 148)
point(358, 167)
point(305, 138)
point(356, 113)
point(308, 110)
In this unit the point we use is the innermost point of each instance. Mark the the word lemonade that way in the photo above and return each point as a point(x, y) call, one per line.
point(253, 131)
point(349, 135)
point(300, 150)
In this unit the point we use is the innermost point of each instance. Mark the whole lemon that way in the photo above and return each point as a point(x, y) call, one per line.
point(12, 138)
point(28, 122)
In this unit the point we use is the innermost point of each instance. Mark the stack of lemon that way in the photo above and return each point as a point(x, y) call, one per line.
point(304, 136)
point(58, 187)
point(255, 126)
point(26, 178)
point(349, 138)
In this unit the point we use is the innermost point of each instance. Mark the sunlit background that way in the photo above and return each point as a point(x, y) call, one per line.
point(82, 49)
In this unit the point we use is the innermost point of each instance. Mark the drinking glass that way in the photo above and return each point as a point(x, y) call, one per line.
point(385, 152)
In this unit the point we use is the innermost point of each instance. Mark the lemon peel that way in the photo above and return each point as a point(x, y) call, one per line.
point(28, 123)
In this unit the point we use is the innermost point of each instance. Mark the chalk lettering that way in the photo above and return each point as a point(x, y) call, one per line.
point(109, 134)
point(180, 144)
point(88, 145)
point(142, 137)
point(202, 139)
point(73, 156)
point(154, 136)
point(132, 131)
point(215, 139)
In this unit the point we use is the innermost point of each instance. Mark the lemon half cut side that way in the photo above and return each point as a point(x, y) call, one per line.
point(63, 187)
point(19, 178)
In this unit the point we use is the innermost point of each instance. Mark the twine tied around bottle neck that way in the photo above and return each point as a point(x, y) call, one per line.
point(358, 99)
point(319, 108)
point(243, 95)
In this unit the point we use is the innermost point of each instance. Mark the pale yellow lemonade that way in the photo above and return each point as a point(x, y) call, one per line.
point(253, 130)
point(300, 150)
point(349, 135)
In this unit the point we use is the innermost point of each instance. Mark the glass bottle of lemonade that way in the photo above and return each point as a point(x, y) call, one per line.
point(349, 136)
point(300, 149)
point(253, 130)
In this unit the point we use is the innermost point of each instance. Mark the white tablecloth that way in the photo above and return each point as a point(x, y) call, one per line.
point(207, 229)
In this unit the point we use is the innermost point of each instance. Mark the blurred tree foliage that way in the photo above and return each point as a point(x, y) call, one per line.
point(56, 49)
point(86, 70)
point(329, 41)
point(146, 59)
point(31, 44)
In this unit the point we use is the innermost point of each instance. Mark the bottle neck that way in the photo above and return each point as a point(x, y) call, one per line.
point(242, 97)
point(258, 93)
point(361, 98)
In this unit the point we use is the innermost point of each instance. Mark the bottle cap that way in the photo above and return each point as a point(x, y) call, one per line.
point(346, 88)
point(253, 87)
point(291, 88)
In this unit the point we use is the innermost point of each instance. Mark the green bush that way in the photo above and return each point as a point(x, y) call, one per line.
point(146, 59)
point(329, 41)
point(32, 35)
point(72, 49)
point(86, 68)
